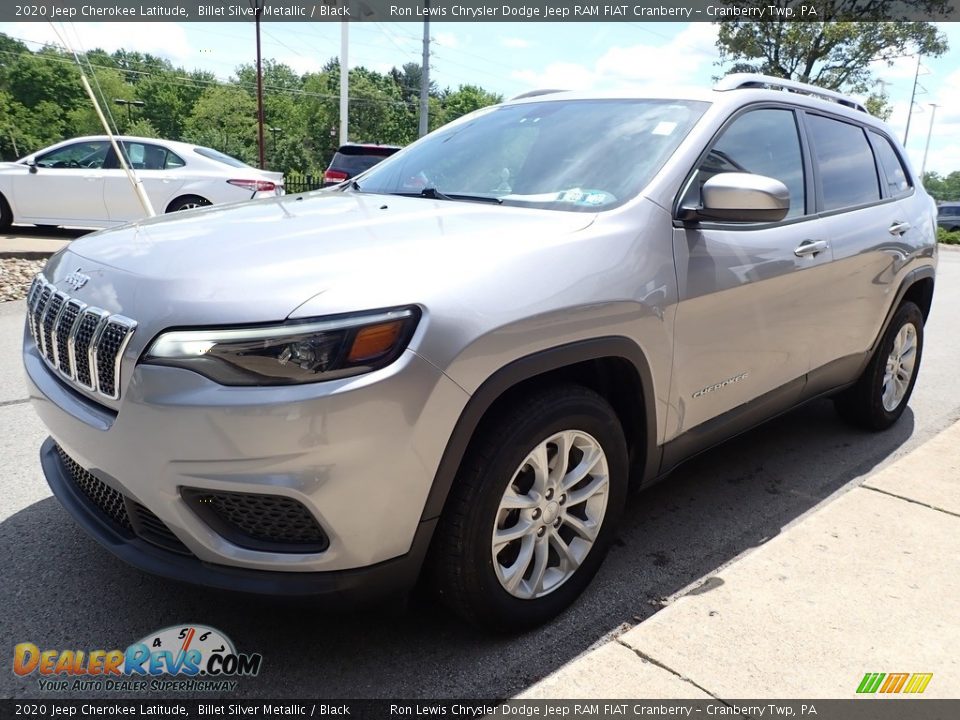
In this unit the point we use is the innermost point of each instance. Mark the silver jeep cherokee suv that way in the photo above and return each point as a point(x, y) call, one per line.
point(459, 362)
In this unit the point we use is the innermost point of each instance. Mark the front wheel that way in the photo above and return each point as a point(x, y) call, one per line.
point(533, 511)
point(881, 394)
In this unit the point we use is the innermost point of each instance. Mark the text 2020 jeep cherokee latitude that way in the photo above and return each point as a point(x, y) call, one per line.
point(458, 361)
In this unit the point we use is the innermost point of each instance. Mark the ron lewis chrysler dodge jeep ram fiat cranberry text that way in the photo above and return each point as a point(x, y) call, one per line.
point(454, 365)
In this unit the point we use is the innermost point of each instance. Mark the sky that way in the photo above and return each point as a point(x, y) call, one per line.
point(510, 58)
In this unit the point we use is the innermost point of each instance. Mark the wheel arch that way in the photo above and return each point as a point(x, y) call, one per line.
point(917, 287)
point(614, 367)
point(185, 196)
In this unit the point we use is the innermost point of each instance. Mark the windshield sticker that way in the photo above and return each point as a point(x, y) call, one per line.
point(665, 128)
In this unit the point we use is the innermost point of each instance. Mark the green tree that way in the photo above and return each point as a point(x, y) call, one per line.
point(943, 189)
point(466, 99)
point(225, 118)
point(832, 53)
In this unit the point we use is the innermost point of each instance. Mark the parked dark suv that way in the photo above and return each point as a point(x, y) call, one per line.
point(948, 216)
point(352, 159)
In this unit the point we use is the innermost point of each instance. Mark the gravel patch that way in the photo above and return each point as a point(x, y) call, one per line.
point(16, 275)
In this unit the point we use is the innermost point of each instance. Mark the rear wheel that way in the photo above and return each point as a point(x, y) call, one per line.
point(188, 202)
point(533, 510)
point(881, 394)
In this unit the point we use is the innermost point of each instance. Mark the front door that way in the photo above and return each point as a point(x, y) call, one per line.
point(67, 188)
point(749, 309)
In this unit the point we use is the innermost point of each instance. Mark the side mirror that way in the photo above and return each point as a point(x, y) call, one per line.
point(32, 164)
point(741, 197)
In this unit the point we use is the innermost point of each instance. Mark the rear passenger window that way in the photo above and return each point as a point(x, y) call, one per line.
point(892, 172)
point(762, 142)
point(848, 174)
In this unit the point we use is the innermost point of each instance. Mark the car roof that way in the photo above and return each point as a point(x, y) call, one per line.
point(722, 99)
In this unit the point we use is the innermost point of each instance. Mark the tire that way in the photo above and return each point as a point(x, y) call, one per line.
point(6, 215)
point(187, 202)
point(878, 400)
point(467, 574)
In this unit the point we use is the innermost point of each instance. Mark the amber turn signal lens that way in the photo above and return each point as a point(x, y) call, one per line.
point(374, 340)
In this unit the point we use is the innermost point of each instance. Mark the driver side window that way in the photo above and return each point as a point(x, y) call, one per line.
point(82, 155)
point(762, 142)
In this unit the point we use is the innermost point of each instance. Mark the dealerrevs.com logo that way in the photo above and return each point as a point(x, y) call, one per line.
point(181, 657)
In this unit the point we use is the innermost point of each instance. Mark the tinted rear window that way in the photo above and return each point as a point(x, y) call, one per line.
point(848, 174)
point(212, 154)
point(892, 171)
point(354, 164)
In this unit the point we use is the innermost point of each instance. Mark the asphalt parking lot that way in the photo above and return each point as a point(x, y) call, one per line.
point(61, 590)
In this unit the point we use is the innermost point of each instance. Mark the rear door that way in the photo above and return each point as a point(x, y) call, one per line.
point(160, 171)
point(750, 307)
point(861, 187)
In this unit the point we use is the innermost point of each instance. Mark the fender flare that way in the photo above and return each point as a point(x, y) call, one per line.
point(527, 368)
point(911, 279)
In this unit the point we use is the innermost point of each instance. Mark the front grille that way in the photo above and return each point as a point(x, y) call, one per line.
point(125, 513)
point(273, 523)
point(86, 344)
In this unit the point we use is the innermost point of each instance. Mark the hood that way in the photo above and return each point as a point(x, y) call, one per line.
point(258, 261)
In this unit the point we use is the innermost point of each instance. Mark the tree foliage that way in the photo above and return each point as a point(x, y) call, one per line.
point(833, 52)
point(943, 188)
point(42, 101)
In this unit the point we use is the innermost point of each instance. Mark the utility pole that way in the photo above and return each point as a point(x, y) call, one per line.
point(913, 95)
point(425, 72)
point(129, 104)
point(258, 10)
point(933, 114)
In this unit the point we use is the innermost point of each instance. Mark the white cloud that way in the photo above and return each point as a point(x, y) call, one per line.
point(559, 75)
point(673, 66)
point(515, 43)
point(166, 40)
point(446, 40)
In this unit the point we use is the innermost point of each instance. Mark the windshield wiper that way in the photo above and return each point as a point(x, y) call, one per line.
point(434, 194)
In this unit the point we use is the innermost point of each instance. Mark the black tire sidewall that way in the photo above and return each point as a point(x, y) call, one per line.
point(6, 214)
point(177, 205)
point(878, 416)
point(587, 414)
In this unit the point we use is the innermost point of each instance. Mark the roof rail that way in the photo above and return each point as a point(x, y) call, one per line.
point(737, 81)
point(535, 93)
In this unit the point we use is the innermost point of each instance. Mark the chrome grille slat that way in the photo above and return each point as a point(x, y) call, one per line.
point(65, 324)
point(37, 315)
point(50, 317)
point(86, 344)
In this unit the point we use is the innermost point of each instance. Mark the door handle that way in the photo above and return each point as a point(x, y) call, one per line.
point(899, 228)
point(811, 247)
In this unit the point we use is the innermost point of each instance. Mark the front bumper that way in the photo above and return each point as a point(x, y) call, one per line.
point(359, 454)
point(376, 581)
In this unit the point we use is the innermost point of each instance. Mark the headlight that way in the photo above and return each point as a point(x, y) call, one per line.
point(291, 353)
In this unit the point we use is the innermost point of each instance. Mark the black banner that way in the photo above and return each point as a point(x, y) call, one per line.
point(872, 708)
point(476, 10)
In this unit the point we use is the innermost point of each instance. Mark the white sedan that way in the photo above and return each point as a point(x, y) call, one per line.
point(80, 182)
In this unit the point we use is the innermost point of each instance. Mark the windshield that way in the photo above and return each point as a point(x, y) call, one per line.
point(584, 155)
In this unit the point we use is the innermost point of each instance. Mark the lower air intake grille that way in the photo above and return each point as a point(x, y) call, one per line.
point(110, 502)
point(272, 523)
point(128, 514)
point(151, 528)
